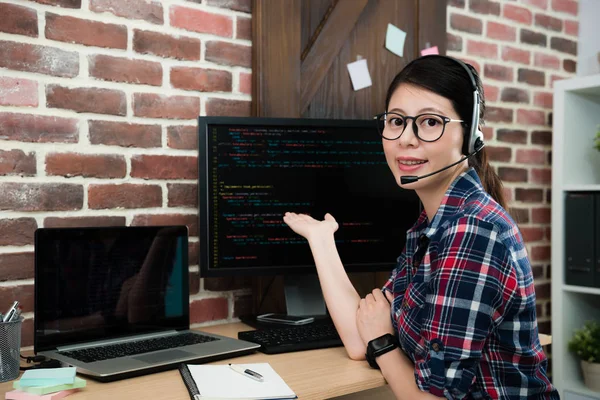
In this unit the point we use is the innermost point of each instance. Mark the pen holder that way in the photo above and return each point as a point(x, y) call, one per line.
point(10, 349)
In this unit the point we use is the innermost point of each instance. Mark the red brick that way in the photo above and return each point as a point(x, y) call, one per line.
point(15, 266)
point(520, 215)
point(38, 128)
point(498, 72)
point(509, 174)
point(16, 162)
point(546, 61)
point(532, 77)
point(191, 220)
point(126, 70)
point(23, 293)
point(554, 78)
point(18, 20)
point(570, 65)
point(516, 55)
point(529, 195)
point(564, 45)
point(182, 137)
point(566, 6)
point(242, 305)
point(151, 11)
point(508, 194)
point(124, 134)
point(61, 3)
point(194, 281)
point(491, 93)
point(531, 156)
point(84, 100)
point(457, 3)
point(201, 79)
point(511, 136)
point(541, 176)
point(541, 137)
point(151, 105)
point(515, 95)
point(182, 195)
point(245, 83)
point(86, 165)
point(229, 108)
point(484, 7)
point(531, 117)
point(543, 99)
point(516, 13)
point(40, 196)
point(17, 232)
point(201, 21)
point(543, 4)
point(499, 153)
point(127, 195)
point(454, 42)
point(69, 222)
point(534, 38)
point(532, 234)
point(472, 63)
point(542, 215)
point(541, 253)
point(39, 59)
point(18, 92)
point(167, 46)
point(482, 49)
point(243, 28)
point(228, 54)
point(237, 5)
point(90, 33)
point(488, 132)
point(572, 28)
point(465, 23)
point(164, 167)
point(193, 253)
point(500, 31)
point(498, 114)
point(548, 22)
point(209, 310)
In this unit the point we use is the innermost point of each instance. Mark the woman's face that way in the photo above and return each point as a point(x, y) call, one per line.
point(408, 155)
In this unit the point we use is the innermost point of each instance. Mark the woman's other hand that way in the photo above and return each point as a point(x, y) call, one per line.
point(308, 227)
point(373, 317)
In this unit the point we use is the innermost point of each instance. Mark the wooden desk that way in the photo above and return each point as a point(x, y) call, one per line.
point(313, 374)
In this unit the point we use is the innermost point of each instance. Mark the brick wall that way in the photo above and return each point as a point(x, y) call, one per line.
point(98, 101)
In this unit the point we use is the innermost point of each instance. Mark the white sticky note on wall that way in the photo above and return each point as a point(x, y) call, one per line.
point(394, 40)
point(359, 74)
point(430, 50)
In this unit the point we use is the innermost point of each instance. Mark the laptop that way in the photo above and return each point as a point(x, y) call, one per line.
point(114, 302)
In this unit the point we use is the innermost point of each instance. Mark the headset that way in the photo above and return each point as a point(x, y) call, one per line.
point(473, 138)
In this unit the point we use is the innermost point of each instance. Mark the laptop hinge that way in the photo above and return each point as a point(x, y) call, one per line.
point(115, 341)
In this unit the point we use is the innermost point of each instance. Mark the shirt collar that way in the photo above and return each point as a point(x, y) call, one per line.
point(454, 198)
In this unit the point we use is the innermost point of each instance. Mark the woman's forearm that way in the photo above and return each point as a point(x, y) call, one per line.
point(340, 295)
point(399, 372)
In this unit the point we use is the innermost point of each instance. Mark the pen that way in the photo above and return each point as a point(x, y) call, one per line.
point(247, 372)
point(10, 312)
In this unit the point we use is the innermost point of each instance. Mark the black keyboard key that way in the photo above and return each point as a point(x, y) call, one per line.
point(92, 354)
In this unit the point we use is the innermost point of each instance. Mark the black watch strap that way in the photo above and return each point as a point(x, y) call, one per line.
point(380, 346)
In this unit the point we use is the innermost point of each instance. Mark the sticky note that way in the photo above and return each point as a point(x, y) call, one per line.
point(359, 74)
point(41, 390)
point(48, 376)
point(430, 50)
point(394, 40)
point(18, 395)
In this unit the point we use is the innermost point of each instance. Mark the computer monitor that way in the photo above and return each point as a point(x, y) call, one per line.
point(253, 170)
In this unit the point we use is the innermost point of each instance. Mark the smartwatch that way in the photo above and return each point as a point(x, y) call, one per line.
point(380, 346)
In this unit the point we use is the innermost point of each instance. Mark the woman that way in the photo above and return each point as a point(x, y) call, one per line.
point(461, 299)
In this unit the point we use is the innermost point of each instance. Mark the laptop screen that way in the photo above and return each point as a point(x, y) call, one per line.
point(109, 282)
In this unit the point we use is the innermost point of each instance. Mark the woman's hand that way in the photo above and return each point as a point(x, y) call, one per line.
point(373, 317)
point(308, 227)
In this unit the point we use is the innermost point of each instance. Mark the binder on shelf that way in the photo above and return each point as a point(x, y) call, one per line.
point(579, 239)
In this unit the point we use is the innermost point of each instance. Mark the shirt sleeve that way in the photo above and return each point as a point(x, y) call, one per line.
point(472, 285)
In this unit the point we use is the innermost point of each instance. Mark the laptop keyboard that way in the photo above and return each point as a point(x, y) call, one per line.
point(108, 352)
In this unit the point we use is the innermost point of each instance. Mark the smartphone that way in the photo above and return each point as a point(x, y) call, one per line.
point(285, 319)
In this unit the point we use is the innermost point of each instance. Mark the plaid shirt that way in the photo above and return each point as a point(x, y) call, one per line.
point(464, 301)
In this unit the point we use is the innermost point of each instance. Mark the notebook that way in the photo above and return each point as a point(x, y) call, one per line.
point(220, 382)
point(114, 302)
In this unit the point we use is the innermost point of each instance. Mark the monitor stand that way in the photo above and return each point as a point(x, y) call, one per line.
point(303, 295)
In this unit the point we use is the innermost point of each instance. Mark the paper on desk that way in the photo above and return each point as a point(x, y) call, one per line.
point(430, 50)
point(359, 74)
point(394, 40)
point(222, 382)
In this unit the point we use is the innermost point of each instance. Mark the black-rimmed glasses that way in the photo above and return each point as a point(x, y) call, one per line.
point(426, 127)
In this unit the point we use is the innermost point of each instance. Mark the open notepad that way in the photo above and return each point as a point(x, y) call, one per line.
point(221, 382)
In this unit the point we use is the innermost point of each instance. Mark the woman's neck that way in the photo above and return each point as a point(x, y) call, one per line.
point(432, 196)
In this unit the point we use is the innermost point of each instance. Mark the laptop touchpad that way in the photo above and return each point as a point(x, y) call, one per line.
point(164, 356)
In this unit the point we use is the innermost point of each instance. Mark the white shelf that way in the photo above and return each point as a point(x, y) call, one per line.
point(581, 289)
point(582, 187)
point(583, 85)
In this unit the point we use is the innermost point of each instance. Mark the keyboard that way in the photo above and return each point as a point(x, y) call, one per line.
point(124, 349)
point(294, 338)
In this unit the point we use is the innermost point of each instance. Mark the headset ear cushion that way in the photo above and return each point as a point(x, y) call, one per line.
point(478, 141)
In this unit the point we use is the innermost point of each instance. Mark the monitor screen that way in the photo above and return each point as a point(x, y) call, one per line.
point(253, 170)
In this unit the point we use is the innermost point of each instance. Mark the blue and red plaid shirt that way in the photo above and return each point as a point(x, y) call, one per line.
point(464, 301)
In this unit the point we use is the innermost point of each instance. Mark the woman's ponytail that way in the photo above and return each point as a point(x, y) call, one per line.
point(489, 178)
